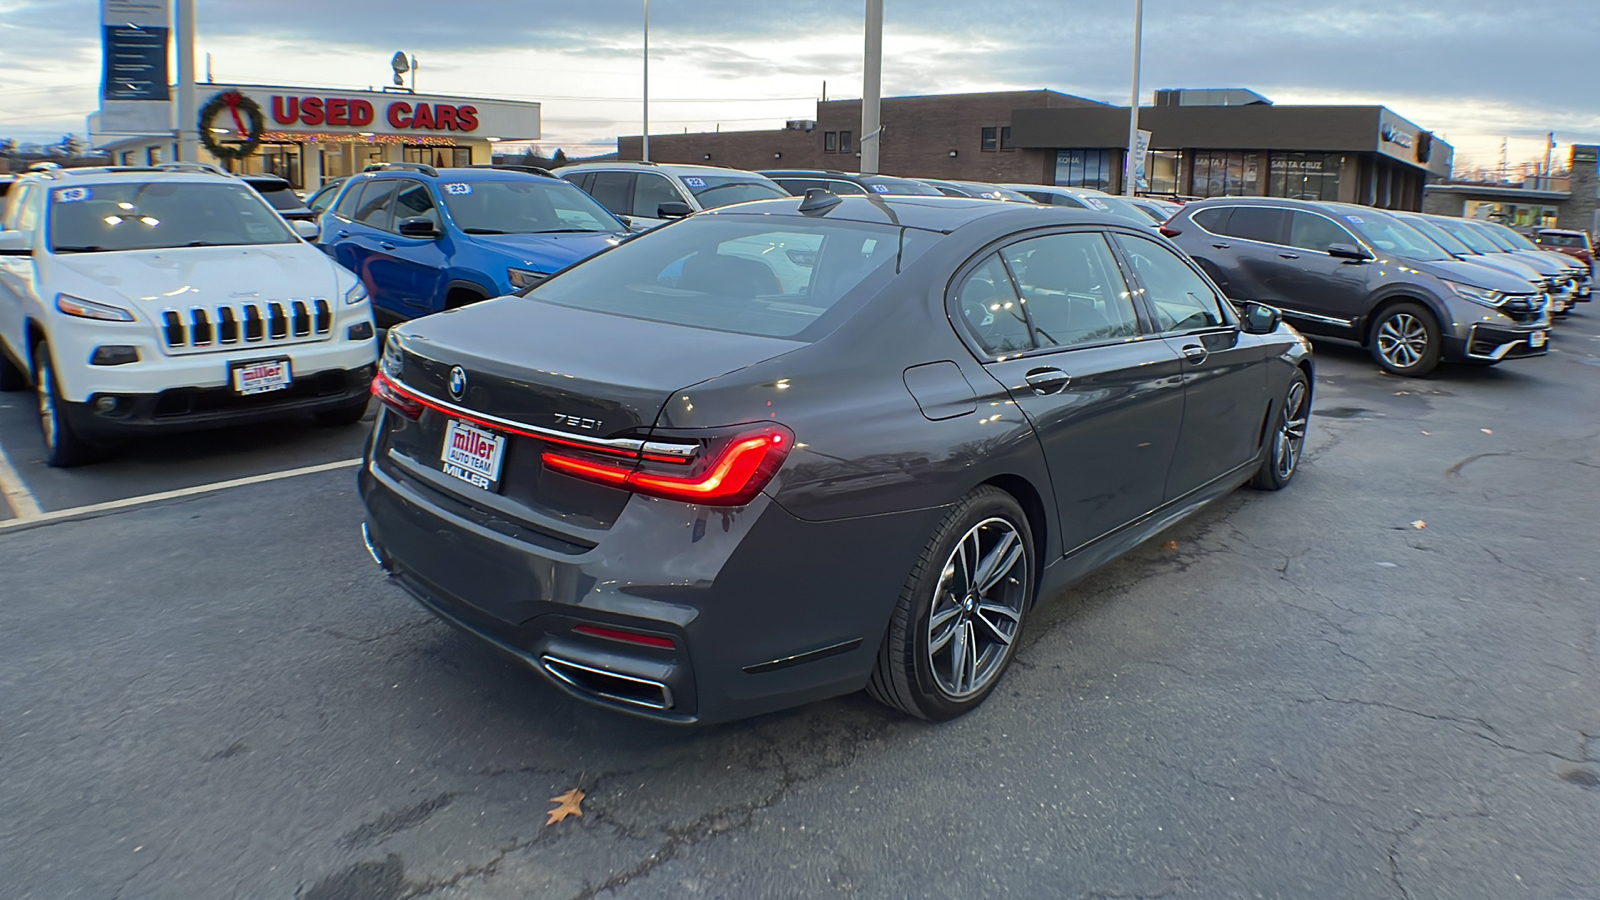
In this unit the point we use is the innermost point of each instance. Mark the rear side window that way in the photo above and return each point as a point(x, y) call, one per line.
point(1214, 219)
point(1563, 240)
point(992, 310)
point(769, 276)
point(650, 191)
point(1178, 297)
point(1258, 223)
point(1074, 290)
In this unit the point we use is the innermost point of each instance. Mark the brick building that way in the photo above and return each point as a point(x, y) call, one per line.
point(1203, 143)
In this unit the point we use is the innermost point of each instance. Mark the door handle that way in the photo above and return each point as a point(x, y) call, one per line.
point(1222, 246)
point(1048, 380)
point(1195, 353)
point(1289, 255)
point(344, 234)
point(386, 245)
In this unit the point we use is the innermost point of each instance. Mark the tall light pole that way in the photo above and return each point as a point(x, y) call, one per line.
point(871, 87)
point(646, 153)
point(1133, 104)
point(188, 102)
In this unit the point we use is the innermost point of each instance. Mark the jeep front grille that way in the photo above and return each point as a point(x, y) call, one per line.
point(199, 329)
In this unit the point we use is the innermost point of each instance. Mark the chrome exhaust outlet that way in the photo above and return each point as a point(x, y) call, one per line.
point(629, 689)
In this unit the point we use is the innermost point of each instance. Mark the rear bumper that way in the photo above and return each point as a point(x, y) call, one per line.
point(748, 610)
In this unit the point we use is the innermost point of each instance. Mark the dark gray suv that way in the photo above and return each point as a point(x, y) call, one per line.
point(1360, 274)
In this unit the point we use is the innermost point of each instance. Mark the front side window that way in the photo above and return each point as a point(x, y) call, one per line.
point(415, 201)
point(1512, 236)
point(725, 190)
point(614, 191)
point(374, 209)
point(993, 312)
point(350, 201)
point(160, 215)
point(531, 206)
point(1310, 231)
point(650, 191)
point(743, 274)
point(1073, 289)
point(1178, 297)
point(1467, 235)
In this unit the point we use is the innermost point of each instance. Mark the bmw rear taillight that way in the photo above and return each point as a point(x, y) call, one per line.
point(385, 390)
point(734, 469)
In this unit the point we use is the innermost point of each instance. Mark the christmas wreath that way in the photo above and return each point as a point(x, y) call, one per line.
point(242, 110)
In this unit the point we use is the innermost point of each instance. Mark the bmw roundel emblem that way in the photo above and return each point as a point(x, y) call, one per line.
point(458, 382)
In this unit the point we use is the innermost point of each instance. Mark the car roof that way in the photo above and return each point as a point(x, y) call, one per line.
point(655, 167)
point(925, 213)
point(463, 173)
point(1570, 231)
point(64, 177)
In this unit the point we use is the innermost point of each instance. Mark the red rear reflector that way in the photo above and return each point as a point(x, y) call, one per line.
point(733, 478)
point(628, 637)
point(384, 390)
point(1170, 232)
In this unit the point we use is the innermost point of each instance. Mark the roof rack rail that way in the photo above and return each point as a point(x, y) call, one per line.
point(515, 167)
point(410, 166)
point(44, 167)
point(207, 168)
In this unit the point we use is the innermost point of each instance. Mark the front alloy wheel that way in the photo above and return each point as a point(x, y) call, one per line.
point(959, 617)
point(63, 447)
point(1405, 340)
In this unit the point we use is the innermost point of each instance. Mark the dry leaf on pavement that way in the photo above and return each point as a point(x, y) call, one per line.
point(1486, 431)
point(1419, 524)
point(568, 804)
point(1170, 546)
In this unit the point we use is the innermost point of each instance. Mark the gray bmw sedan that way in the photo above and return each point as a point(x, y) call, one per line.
point(794, 448)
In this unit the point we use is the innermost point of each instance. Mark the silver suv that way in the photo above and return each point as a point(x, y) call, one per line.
point(647, 194)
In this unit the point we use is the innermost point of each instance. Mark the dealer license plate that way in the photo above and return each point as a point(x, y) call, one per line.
point(1536, 340)
point(473, 454)
point(260, 376)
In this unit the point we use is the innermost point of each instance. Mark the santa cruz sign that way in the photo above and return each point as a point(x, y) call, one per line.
point(354, 112)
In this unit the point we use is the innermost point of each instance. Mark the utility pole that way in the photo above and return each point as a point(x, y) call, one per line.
point(188, 103)
point(1549, 145)
point(871, 87)
point(1133, 104)
point(646, 153)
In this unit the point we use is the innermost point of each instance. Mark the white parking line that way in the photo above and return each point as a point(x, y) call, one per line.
point(17, 495)
point(38, 517)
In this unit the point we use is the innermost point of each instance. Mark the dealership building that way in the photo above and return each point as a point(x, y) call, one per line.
point(310, 135)
point(1203, 143)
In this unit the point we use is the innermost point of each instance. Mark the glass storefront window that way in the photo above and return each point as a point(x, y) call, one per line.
point(1226, 173)
point(438, 157)
point(1161, 170)
point(1305, 176)
point(1086, 168)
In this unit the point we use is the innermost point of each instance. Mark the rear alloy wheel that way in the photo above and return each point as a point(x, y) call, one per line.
point(1405, 340)
point(955, 629)
point(1288, 439)
point(63, 447)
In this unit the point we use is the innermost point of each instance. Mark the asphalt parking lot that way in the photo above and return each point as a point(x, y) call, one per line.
point(1381, 682)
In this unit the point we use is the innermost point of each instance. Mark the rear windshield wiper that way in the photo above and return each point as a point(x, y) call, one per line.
point(484, 231)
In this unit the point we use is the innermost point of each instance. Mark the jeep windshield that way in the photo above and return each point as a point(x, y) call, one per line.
point(724, 190)
point(160, 215)
point(1391, 235)
point(524, 206)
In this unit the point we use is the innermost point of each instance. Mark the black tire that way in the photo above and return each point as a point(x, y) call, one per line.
point(339, 416)
point(12, 378)
point(64, 448)
point(1288, 438)
point(1405, 340)
point(905, 676)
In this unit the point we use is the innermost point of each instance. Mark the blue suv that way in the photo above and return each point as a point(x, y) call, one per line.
point(425, 240)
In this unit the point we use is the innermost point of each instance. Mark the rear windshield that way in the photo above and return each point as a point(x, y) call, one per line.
point(280, 195)
point(887, 184)
point(134, 216)
point(524, 206)
point(1564, 240)
point(1391, 235)
point(771, 276)
point(723, 190)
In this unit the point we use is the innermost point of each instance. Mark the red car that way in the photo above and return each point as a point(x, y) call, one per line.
point(1573, 243)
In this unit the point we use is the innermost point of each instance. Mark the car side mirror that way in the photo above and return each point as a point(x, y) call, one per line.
point(674, 210)
point(1259, 318)
point(1348, 251)
point(418, 227)
point(306, 229)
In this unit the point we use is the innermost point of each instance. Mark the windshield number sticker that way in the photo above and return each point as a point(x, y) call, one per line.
point(457, 188)
point(1097, 204)
point(70, 195)
point(695, 182)
point(1355, 219)
point(879, 188)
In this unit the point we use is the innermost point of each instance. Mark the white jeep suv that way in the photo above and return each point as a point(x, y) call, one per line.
point(171, 298)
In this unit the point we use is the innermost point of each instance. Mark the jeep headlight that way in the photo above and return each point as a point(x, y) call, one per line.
point(356, 294)
point(1478, 295)
point(522, 279)
point(88, 309)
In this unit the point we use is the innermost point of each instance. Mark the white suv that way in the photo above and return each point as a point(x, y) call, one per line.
point(171, 298)
point(647, 194)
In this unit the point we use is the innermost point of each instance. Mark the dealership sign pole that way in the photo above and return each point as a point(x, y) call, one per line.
point(133, 88)
point(188, 100)
point(1135, 157)
point(646, 154)
point(872, 81)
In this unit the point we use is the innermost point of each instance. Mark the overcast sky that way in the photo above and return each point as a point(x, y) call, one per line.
point(1475, 71)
